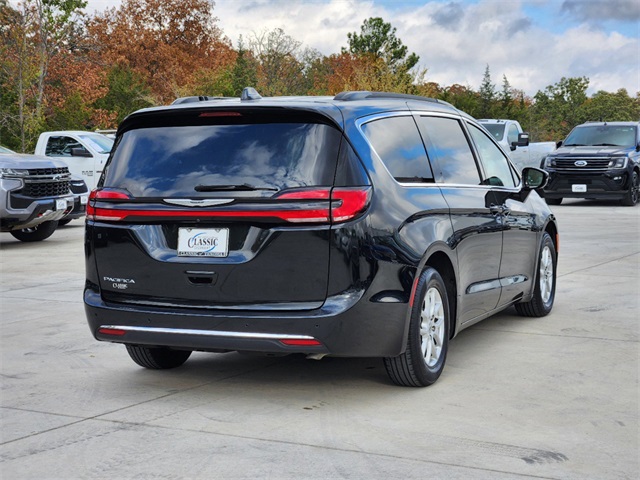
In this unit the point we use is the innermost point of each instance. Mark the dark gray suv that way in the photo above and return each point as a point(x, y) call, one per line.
point(597, 160)
point(365, 224)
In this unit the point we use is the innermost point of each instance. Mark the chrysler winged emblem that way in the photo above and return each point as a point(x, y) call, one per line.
point(197, 202)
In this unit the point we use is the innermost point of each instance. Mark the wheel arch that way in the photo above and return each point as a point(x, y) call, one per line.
point(441, 262)
point(552, 229)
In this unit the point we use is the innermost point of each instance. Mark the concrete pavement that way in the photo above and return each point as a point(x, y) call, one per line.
point(556, 397)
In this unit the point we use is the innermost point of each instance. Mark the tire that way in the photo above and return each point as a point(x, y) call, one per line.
point(553, 201)
point(157, 358)
point(37, 233)
point(63, 222)
point(544, 292)
point(428, 341)
point(631, 198)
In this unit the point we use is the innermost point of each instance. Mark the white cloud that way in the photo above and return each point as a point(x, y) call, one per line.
point(455, 40)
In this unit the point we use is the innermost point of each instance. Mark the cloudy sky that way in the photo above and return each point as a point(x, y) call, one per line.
point(533, 42)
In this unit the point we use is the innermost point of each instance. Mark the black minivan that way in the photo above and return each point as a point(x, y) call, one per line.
point(367, 224)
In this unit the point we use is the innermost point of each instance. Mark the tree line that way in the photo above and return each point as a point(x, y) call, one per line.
point(61, 69)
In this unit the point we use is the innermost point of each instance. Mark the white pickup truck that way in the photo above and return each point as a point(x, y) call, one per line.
point(509, 134)
point(84, 152)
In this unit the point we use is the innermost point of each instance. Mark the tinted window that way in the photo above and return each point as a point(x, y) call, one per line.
point(172, 161)
point(603, 135)
point(495, 129)
point(496, 166)
point(61, 146)
point(447, 145)
point(397, 142)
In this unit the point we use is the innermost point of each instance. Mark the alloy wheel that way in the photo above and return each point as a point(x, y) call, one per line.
point(432, 327)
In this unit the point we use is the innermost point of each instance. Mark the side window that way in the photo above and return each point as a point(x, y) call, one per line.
point(513, 134)
point(448, 148)
point(496, 166)
point(397, 142)
point(60, 146)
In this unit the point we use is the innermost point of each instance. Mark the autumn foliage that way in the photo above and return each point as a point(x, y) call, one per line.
point(62, 69)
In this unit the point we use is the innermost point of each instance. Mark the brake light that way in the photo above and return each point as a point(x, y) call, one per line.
point(353, 201)
point(316, 205)
point(220, 114)
point(346, 203)
point(98, 194)
point(104, 214)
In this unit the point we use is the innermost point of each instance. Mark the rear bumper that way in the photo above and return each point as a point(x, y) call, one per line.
point(346, 325)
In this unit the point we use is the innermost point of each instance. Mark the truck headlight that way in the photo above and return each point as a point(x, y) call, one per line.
point(618, 162)
point(549, 162)
point(13, 172)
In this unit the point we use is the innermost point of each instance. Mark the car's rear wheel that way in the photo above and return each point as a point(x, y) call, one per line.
point(157, 358)
point(631, 198)
point(37, 233)
point(426, 351)
point(553, 201)
point(545, 287)
point(63, 222)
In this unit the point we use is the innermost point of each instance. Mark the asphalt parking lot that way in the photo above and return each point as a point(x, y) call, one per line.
point(556, 397)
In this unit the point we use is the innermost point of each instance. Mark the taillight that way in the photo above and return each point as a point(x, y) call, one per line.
point(348, 203)
point(106, 214)
point(314, 205)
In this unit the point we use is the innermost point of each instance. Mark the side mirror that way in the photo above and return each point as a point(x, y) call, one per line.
point(534, 178)
point(80, 152)
point(559, 144)
point(523, 140)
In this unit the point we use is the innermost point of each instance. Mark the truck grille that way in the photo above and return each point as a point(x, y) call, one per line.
point(45, 189)
point(592, 164)
point(46, 182)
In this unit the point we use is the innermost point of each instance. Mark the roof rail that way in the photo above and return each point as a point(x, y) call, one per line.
point(366, 95)
point(201, 98)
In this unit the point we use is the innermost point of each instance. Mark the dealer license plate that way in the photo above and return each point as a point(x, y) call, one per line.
point(578, 188)
point(203, 242)
point(61, 204)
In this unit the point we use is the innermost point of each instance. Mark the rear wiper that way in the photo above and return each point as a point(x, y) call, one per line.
point(245, 187)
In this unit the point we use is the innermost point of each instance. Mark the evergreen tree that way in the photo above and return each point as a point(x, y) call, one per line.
point(487, 95)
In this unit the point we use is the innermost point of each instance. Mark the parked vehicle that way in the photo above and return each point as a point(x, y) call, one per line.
point(85, 153)
point(365, 224)
point(509, 134)
point(599, 160)
point(80, 199)
point(34, 195)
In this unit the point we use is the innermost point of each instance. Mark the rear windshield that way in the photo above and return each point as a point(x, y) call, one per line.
point(174, 160)
point(495, 129)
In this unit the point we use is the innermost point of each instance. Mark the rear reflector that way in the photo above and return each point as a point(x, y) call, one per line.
point(301, 342)
point(112, 331)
